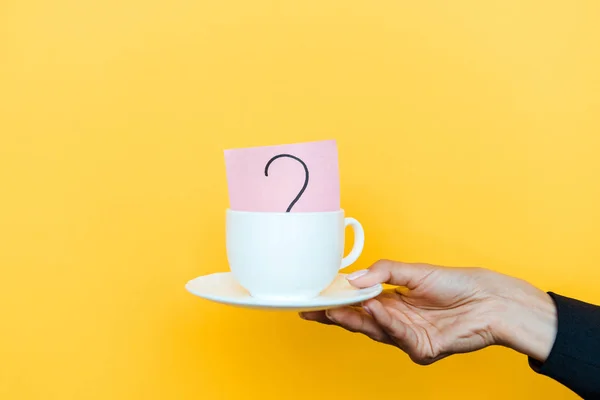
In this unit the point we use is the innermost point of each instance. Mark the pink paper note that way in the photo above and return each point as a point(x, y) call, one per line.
point(271, 178)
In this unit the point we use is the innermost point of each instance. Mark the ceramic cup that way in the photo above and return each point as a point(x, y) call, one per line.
point(289, 256)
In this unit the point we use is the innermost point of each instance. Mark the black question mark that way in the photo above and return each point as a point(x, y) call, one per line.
point(305, 179)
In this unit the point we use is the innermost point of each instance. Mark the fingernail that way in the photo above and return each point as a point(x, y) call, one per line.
point(328, 315)
point(357, 274)
point(367, 310)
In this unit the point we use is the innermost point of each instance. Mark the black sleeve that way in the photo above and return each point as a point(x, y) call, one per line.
point(575, 357)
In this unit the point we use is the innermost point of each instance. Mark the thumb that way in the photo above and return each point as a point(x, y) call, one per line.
point(391, 272)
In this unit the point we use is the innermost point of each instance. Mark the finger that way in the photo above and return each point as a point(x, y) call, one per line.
point(403, 337)
point(355, 319)
point(394, 273)
point(317, 316)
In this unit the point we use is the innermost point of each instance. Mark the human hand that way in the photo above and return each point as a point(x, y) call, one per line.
point(438, 311)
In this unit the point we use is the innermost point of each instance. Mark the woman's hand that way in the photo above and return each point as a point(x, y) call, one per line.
point(439, 311)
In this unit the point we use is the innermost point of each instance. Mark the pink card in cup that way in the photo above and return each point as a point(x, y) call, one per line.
point(302, 177)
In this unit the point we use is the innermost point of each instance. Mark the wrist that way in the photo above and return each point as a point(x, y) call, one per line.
point(526, 321)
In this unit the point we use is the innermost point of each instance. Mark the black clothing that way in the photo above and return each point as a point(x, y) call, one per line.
point(575, 357)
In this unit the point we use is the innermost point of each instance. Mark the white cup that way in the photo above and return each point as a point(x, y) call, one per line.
point(289, 256)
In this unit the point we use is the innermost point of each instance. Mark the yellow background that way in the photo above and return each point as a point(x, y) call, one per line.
point(468, 134)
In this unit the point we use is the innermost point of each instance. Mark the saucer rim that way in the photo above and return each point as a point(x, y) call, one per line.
point(314, 303)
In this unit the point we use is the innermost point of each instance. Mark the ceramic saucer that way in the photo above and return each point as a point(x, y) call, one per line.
point(221, 287)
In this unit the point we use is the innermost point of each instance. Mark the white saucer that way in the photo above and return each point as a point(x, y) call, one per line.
point(223, 288)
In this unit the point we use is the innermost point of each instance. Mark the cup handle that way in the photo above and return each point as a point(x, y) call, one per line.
point(359, 242)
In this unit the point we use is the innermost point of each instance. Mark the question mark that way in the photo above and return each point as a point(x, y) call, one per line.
point(305, 179)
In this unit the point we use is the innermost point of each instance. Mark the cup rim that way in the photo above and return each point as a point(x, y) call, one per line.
point(230, 211)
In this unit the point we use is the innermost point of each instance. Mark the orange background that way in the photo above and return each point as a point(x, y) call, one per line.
point(468, 134)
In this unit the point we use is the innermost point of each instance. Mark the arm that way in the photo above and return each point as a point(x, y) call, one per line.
point(574, 359)
point(439, 311)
